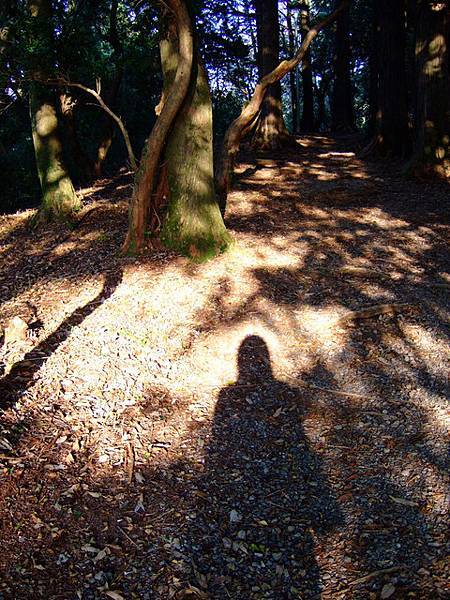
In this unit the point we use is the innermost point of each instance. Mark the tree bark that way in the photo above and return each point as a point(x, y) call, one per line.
point(271, 130)
point(392, 131)
point(292, 75)
point(146, 177)
point(307, 121)
point(193, 224)
point(235, 131)
point(59, 201)
point(431, 155)
point(342, 113)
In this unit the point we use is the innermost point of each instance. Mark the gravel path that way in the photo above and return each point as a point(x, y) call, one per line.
point(248, 428)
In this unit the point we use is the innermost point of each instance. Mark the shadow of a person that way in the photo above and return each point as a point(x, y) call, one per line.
point(264, 488)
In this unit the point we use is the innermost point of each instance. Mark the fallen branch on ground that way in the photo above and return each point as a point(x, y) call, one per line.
point(375, 311)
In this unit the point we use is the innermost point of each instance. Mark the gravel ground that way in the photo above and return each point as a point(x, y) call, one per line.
point(248, 428)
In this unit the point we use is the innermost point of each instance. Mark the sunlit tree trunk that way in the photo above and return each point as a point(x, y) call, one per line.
point(432, 113)
point(271, 130)
point(59, 201)
point(182, 137)
point(342, 112)
point(307, 121)
point(193, 223)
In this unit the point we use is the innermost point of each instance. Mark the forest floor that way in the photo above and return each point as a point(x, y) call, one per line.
point(237, 429)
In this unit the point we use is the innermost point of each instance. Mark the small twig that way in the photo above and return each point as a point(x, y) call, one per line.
point(127, 536)
point(376, 574)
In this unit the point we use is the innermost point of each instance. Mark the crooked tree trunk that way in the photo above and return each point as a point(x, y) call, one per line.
point(307, 122)
point(196, 235)
point(432, 119)
point(59, 201)
point(237, 128)
point(271, 132)
point(342, 113)
point(392, 132)
point(193, 223)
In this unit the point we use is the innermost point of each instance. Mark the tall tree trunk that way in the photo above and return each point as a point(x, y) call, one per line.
point(432, 112)
point(292, 74)
point(59, 201)
point(392, 113)
point(106, 127)
point(271, 130)
point(307, 122)
point(374, 70)
point(342, 113)
point(193, 223)
point(81, 168)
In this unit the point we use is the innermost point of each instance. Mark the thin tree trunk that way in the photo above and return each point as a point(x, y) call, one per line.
point(146, 177)
point(432, 114)
point(307, 121)
point(271, 130)
point(342, 113)
point(193, 224)
point(235, 131)
point(292, 75)
point(59, 201)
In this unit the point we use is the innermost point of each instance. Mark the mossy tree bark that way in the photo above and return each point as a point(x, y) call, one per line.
point(193, 223)
point(431, 156)
point(271, 132)
point(59, 201)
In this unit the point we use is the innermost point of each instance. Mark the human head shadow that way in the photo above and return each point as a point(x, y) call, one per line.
point(263, 494)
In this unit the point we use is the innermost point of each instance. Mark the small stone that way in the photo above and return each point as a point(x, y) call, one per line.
point(15, 330)
point(235, 517)
point(387, 591)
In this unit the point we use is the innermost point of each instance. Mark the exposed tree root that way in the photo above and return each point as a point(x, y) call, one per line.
point(375, 311)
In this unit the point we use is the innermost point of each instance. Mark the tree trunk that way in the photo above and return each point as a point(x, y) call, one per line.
point(342, 113)
point(271, 130)
point(237, 128)
point(292, 75)
point(59, 201)
point(146, 177)
point(81, 168)
point(193, 224)
point(106, 123)
point(392, 137)
point(307, 122)
point(432, 112)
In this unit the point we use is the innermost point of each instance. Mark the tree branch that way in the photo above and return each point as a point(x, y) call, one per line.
point(106, 108)
point(235, 131)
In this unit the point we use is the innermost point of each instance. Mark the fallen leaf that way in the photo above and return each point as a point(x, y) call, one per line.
point(387, 591)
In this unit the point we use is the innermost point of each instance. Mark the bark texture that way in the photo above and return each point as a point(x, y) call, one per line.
point(342, 112)
point(146, 177)
point(193, 223)
point(59, 201)
point(271, 131)
point(432, 118)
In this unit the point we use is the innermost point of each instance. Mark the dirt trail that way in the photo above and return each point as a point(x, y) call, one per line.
point(229, 430)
